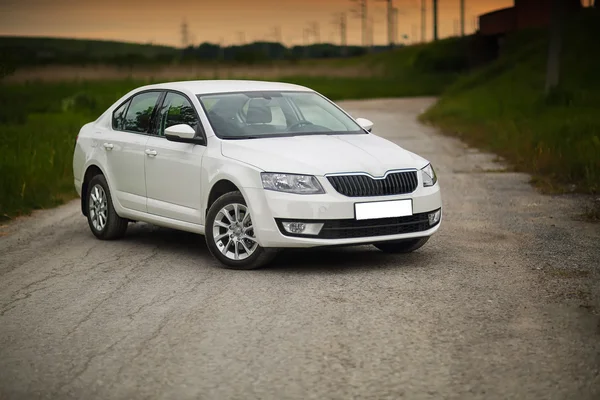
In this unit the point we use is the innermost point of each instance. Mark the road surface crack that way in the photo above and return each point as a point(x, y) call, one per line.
point(127, 279)
point(144, 344)
point(7, 307)
point(88, 362)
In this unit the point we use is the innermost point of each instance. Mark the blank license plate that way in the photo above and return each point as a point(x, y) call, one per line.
point(383, 209)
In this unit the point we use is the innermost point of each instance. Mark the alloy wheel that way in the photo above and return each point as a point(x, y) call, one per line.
point(98, 207)
point(233, 232)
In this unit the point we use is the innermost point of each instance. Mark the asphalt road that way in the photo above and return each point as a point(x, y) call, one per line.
point(501, 303)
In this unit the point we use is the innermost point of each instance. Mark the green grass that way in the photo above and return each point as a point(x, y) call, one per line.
point(503, 108)
point(38, 126)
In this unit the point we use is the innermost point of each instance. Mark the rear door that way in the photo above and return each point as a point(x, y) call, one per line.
point(125, 146)
point(173, 170)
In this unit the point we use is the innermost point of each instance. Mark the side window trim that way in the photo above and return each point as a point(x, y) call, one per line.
point(129, 101)
point(155, 119)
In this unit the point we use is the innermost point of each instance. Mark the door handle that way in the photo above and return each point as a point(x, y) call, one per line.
point(108, 146)
point(151, 153)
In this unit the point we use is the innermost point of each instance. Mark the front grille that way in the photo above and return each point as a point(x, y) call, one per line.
point(351, 228)
point(364, 186)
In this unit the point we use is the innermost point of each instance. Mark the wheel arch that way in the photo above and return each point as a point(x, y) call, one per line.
point(221, 187)
point(91, 171)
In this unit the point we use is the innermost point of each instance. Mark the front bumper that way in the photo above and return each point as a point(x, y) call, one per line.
point(336, 211)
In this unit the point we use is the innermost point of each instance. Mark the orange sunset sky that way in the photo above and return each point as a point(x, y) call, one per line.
point(224, 21)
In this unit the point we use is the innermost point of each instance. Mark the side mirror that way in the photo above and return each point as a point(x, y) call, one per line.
point(365, 124)
point(183, 133)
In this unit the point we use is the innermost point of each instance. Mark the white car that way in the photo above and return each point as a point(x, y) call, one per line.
point(253, 166)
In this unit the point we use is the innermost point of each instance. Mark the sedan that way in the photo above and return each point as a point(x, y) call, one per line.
point(253, 166)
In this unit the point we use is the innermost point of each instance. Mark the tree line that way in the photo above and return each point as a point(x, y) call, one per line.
point(31, 52)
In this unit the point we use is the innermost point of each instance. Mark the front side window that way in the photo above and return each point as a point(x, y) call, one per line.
point(177, 109)
point(119, 116)
point(140, 112)
point(273, 113)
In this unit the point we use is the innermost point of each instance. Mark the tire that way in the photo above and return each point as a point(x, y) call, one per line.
point(402, 246)
point(114, 227)
point(225, 247)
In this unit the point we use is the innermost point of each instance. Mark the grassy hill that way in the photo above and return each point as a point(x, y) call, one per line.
point(503, 107)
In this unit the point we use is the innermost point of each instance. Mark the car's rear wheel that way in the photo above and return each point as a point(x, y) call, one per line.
point(230, 234)
point(402, 246)
point(104, 221)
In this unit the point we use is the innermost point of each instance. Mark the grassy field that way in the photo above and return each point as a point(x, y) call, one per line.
point(503, 108)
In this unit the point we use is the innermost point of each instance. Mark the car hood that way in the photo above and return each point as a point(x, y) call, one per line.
point(323, 154)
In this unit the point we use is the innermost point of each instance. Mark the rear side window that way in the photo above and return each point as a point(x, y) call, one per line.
point(119, 117)
point(140, 111)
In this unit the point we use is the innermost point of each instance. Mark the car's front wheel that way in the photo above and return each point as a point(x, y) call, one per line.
point(402, 246)
point(230, 234)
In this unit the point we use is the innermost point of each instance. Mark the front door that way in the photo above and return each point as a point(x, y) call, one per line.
point(125, 146)
point(173, 170)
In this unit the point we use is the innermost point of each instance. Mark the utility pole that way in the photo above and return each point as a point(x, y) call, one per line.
point(341, 23)
point(344, 31)
point(364, 22)
point(396, 23)
point(462, 17)
point(241, 37)
point(185, 35)
point(390, 18)
point(423, 20)
point(371, 32)
point(554, 47)
point(316, 31)
point(435, 20)
point(305, 33)
point(277, 34)
point(362, 13)
point(221, 50)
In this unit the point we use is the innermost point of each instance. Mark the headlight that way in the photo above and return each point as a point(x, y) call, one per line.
point(429, 176)
point(291, 183)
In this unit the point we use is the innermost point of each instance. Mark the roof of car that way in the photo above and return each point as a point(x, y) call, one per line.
point(225, 86)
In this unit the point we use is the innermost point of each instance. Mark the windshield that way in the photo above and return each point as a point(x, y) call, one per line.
point(252, 115)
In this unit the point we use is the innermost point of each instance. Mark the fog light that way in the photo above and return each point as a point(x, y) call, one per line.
point(302, 228)
point(434, 217)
